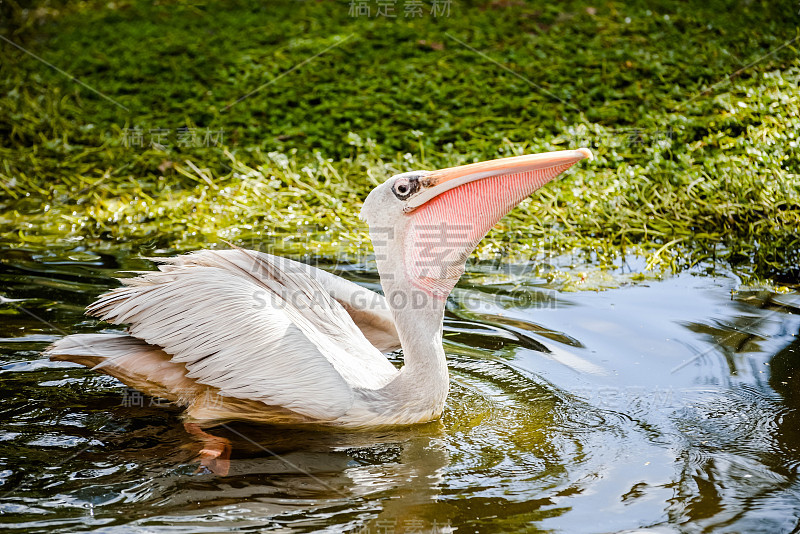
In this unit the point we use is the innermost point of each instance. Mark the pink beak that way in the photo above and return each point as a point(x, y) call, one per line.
point(545, 167)
point(459, 205)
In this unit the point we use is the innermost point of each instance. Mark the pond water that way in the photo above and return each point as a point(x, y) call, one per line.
point(670, 405)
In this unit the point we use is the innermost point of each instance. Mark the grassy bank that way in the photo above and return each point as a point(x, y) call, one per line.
point(179, 125)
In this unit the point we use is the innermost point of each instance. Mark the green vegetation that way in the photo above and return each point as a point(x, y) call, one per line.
point(697, 149)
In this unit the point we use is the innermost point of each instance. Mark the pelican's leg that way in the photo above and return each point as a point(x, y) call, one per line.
point(215, 453)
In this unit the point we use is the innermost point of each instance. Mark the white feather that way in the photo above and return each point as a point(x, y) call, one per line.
point(252, 328)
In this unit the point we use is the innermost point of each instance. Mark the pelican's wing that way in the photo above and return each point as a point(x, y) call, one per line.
point(369, 310)
point(252, 327)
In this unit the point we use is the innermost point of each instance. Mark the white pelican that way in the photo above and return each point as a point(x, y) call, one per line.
point(244, 335)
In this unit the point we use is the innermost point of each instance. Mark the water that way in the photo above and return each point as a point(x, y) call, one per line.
point(665, 404)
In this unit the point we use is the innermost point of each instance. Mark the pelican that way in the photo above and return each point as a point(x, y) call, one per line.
point(244, 335)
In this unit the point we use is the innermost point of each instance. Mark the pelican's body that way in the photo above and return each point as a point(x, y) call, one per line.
point(239, 334)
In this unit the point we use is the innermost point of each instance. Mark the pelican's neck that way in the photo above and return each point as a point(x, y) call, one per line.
point(418, 318)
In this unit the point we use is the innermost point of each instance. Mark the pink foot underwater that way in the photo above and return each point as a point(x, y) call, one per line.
point(215, 453)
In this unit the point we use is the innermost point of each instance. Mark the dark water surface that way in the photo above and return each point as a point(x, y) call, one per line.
point(670, 405)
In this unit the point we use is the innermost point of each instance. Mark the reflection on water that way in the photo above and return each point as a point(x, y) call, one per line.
point(671, 405)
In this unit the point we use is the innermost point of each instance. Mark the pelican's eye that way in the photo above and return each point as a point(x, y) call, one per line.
point(405, 187)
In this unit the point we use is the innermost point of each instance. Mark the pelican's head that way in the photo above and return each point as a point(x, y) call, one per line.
point(430, 221)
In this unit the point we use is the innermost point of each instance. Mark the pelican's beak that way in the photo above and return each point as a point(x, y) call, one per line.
point(456, 207)
point(535, 169)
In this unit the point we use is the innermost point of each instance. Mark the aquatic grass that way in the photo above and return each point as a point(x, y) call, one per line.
point(682, 175)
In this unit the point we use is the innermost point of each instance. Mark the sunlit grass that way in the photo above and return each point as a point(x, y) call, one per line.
point(681, 174)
